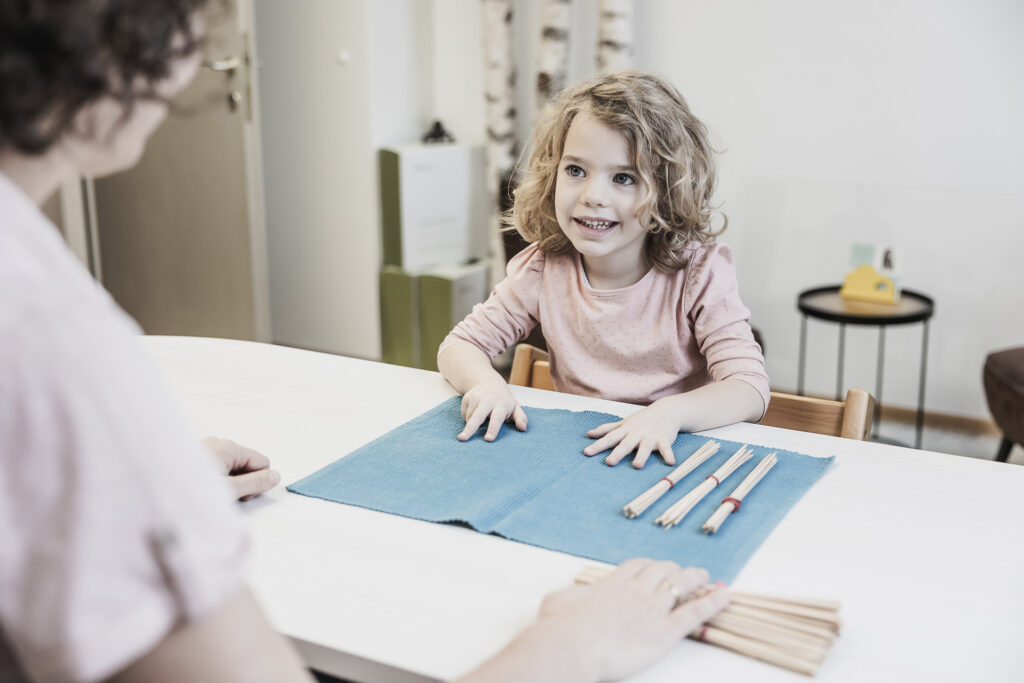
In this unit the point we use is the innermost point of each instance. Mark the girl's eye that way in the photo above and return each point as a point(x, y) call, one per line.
point(623, 179)
point(574, 171)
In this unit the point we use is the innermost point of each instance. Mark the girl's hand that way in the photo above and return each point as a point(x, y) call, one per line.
point(654, 427)
point(490, 400)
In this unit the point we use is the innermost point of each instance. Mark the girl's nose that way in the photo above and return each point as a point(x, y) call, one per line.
point(593, 194)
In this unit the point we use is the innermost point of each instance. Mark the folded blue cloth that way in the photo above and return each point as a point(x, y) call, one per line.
point(537, 487)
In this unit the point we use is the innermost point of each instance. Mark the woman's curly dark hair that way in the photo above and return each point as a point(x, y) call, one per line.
point(56, 56)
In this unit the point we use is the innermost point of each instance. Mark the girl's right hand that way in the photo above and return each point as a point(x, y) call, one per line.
point(490, 400)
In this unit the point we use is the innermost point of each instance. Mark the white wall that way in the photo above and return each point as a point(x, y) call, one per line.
point(338, 80)
point(895, 122)
point(887, 122)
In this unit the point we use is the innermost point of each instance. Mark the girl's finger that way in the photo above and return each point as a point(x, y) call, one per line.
point(643, 451)
point(476, 418)
point(519, 418)
point(665, 448)
point(498, 417)
point(603, 444)
point(601, 430)
point(626, 446)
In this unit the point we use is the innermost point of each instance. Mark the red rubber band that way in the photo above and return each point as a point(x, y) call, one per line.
point(670, 482)
point(711, 476)
point(735, 503)
point(704, 633)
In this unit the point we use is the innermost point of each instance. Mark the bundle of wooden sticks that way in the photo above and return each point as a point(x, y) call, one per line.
point(793, 633)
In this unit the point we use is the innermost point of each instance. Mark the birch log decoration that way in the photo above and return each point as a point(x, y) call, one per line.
point(499, 93)
point(615, 36)
point(553, 51)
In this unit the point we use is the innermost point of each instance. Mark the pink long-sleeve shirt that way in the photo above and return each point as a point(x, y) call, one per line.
point(665, 334)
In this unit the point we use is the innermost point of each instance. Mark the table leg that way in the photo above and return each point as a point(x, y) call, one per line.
point(842, 352)
point(800, 367)
point(920, 385)
point(879, 369)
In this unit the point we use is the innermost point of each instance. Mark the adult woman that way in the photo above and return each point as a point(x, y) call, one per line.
point(123, 557)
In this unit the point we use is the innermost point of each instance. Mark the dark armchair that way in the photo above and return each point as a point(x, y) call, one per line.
point(1003, 377)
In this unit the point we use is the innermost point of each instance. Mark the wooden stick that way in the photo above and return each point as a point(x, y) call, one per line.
point(806, 625)
point(806, 647)
point(741, 596)
point(755, 649)
point(812, 613)
point(682, 507)
point(638, 505)
point(794, 626)
point(731, 504)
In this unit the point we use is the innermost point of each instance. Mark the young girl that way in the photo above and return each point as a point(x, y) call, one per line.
point(637, 302)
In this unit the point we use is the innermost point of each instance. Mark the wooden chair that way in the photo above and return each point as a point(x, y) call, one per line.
point(530, 368)
point(850, 419)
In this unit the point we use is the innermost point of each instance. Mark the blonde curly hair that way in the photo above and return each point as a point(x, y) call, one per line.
point(670, 151)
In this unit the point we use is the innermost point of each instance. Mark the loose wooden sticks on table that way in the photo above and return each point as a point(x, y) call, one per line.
point(638, 505)
point(793, 633)
point(682, 507)
point(731, 504)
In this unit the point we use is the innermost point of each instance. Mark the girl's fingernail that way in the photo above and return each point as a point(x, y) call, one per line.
point(275, 478)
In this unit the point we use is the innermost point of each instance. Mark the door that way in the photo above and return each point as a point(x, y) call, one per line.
point(181, 235)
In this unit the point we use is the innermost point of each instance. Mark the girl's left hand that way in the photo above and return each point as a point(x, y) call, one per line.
point(654, 427)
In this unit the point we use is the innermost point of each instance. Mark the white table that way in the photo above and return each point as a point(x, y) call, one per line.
point(928, 592)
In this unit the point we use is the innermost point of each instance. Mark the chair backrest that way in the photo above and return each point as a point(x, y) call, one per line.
point(530, 368)
point(850, 419)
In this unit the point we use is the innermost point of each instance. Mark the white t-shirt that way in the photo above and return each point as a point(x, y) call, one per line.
point(114, 525)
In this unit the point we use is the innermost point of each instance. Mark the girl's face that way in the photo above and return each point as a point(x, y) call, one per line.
point(597, 193)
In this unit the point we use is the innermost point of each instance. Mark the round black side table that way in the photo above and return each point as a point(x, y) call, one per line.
point(824, 303)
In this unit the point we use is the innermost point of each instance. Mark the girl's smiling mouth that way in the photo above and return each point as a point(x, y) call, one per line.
point(594, 223)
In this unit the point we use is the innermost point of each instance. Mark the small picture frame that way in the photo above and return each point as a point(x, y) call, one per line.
point(888, 263)
point(874, 274)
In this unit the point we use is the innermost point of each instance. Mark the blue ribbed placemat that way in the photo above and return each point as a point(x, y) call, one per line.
point(537, 487)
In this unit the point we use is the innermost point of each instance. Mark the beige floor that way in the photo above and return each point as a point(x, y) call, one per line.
point(983, 447)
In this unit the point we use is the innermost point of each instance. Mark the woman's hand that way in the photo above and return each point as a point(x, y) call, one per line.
point(608, 630)
point(248, 471)
point(633, 616)
point(490, 401)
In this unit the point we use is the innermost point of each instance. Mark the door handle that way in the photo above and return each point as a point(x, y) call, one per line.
point(227, 65)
